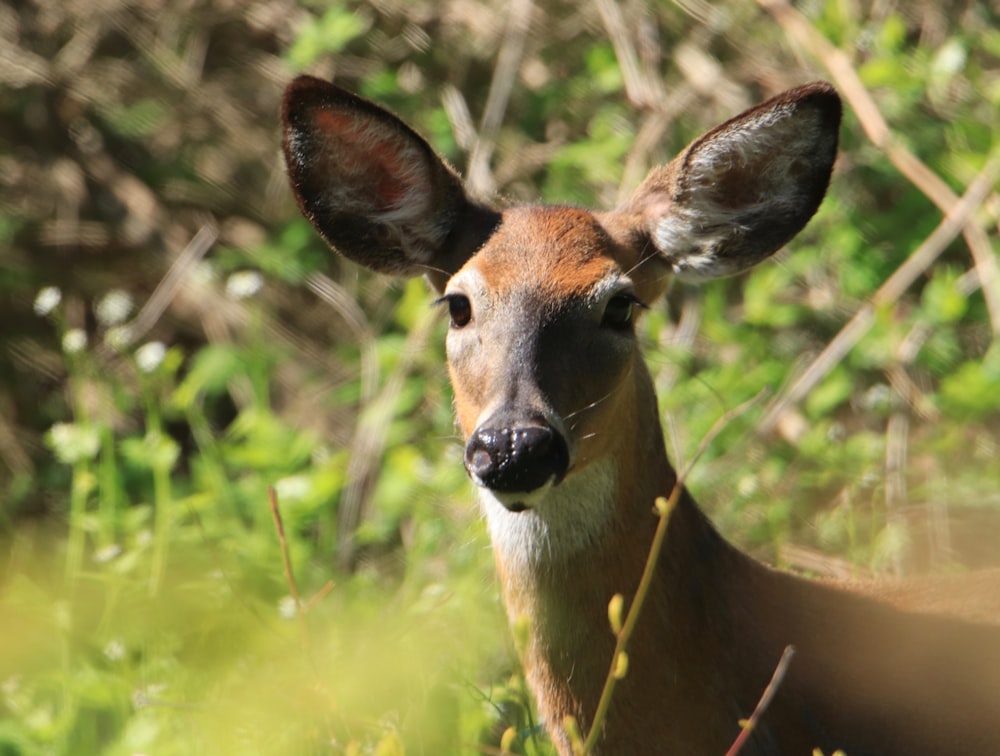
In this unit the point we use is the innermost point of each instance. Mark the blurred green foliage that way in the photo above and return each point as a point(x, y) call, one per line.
point(143, 600)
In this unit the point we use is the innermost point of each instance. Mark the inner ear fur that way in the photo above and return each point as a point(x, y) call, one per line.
point(740, 192)
point(374, 188)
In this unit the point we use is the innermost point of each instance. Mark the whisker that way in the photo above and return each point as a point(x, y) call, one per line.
point(644, 258)
point(432, 269)
point(593, 404)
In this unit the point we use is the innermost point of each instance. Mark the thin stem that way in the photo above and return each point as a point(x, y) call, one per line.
point(286, 561)
point(77, 514)
point(665, 508)
point(161, 525)
point(211, 456)
point(108, 502)
point(161, 493)
point(765, 700)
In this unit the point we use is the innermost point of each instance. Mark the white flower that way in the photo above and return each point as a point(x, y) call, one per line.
point(114, 650)
point(747, 486)
point(202, 274)
point(244, 284)
point(107, 553)
point(149, 356)
point(114, 307)
point(62, 615)
point(72, 442)
point(47, 300)
point(74, 341)
point(143, 697)
point(878, 398)
point(118, 337)
point(11, 685)
point(293, 488)
point(288, 608)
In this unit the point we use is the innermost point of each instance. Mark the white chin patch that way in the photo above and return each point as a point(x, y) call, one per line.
point(518, 502)
point(554, 521)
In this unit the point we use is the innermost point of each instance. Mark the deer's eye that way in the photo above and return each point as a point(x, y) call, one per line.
point(459, 308)
point(619, 309)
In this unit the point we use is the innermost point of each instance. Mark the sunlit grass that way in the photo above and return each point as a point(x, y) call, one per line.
point(215, 660)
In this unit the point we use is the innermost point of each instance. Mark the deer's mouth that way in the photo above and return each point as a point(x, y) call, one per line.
point(517, 502)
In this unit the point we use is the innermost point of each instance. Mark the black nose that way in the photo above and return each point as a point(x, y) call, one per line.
point(516, 460)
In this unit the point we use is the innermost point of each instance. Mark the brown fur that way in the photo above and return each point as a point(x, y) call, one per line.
point(537, 350)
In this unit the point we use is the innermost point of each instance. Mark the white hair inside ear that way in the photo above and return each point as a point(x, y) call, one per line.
point(739, 193)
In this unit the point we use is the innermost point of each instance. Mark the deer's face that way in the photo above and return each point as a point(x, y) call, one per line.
point(542, 299)
point(540, 344)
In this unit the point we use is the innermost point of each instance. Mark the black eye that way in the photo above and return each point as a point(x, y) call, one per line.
point(618, 311)
point(460, 310)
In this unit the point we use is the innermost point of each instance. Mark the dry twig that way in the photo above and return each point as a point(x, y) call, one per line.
point(370, 439)
point(877, 130)
point(286, 561)
point(480, 180)
point(642, 87)
point(889, 292)
point(765, 700)
point(169, 285)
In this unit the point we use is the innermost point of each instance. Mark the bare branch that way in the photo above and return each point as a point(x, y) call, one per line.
point(923, 178)
point(890, 291)
point(765, 700)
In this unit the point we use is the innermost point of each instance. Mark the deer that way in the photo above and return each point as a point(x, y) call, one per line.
point(565, 447)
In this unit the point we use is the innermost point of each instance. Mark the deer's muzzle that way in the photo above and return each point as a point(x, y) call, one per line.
point(516, 459)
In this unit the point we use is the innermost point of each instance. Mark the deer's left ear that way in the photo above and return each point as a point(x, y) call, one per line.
point(740, 192)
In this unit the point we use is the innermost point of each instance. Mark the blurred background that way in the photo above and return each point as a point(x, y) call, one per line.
point(176, 344)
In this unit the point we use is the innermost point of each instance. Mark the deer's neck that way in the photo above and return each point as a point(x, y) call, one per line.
point(561, 563)
point(714, 625)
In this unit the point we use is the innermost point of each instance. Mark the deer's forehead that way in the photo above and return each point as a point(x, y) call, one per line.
point(562, 253)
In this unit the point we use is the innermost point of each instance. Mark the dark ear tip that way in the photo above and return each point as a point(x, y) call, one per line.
point(819, 87)
point(307, 86)
point(302, 90)
point(308, 90)
point(306, 93)
point(821, 95)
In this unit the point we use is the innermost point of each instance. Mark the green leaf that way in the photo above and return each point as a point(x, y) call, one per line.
point(73, 442)
point(211, 371)
point(833, 391)
point(941, 299)
point(154, 451)
point(327, 35)
point(972, 390)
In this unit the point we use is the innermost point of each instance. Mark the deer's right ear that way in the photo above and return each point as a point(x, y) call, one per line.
point(373, 188)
